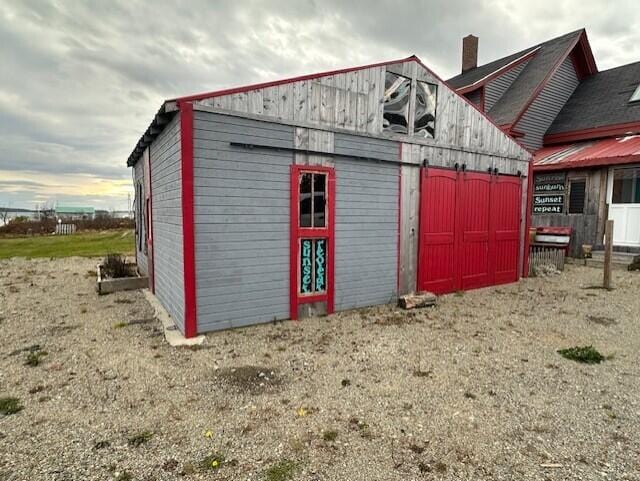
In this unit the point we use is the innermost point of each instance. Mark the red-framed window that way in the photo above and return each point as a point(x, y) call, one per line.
point(312, 236)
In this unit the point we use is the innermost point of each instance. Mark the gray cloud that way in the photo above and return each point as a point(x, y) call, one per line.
point(81, 80)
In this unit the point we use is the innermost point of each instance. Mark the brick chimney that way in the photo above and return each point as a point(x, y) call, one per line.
point(469, 52)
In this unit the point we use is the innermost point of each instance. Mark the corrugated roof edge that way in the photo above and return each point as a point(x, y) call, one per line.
point(169, 107)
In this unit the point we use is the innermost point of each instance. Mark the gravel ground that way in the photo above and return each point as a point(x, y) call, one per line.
point(471, 389)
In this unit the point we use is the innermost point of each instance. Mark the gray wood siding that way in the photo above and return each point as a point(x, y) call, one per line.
point(544, 109)
point(496, 88)
point(366, 147)
point(366, 235)
point(141, 256)
point(166, 193)
point(241, 221)
point(588, 227)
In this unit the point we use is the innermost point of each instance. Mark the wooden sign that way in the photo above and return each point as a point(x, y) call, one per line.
point(313, 265)
point(549, 190)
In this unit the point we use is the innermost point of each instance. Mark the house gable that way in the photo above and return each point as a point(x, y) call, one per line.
point(549, 102)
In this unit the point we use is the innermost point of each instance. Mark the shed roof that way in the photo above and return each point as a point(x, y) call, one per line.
point(611, 151)
point(601, 100)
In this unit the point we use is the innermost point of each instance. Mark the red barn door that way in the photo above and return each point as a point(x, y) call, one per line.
point(469, 230)
point(437, 251)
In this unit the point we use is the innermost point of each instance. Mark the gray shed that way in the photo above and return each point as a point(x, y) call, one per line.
point(322, 193)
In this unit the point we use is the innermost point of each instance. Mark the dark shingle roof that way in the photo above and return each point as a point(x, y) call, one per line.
point(601, 99)
point(478, 73)
point(549, 54)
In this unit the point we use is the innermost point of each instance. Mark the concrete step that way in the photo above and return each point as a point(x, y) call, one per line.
point(618, 259)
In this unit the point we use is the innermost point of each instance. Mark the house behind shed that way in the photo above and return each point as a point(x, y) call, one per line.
point(322, 193)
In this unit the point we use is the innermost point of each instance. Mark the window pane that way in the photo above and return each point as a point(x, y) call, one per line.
point(397, 92)
point(625, 186)
point(305, 200)
point(425, 121)
point(577, 193)
point(319, 196)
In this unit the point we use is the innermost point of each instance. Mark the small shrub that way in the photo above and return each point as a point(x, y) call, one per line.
point(281, 471)
point(35, 358)
point(585, 354)
point(140, 438)
point(10, 405)
point(330, 436)
point(213, 461)
point(124, 476)
point(119, 325)
point(115, 266)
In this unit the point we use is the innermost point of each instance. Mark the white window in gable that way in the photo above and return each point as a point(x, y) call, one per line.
point(636, 95)
point(425, 120)
point(397, 92)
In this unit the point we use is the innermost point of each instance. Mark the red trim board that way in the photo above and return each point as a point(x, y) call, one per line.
point(148, 216)
point(188, 227)
point(527, 224)
point(296, 233)
point(594, 133)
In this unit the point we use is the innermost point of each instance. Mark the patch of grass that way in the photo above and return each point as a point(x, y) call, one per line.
point(212, 462)
point(281, 471)
point(35, 358)
point(102, 444)
point(330, 436)
point(124, 476)
point(585, 354)
point(10, 405)
point(120, 325)
point(85, 244)
point(140, 438)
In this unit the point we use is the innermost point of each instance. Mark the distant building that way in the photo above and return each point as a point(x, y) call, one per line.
point(74, 213)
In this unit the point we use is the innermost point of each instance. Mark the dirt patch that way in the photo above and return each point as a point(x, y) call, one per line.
point(249, 379)
point(471, 389)
point(602, 320)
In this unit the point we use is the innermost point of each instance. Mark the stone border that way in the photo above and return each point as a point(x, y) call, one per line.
point(106, 286)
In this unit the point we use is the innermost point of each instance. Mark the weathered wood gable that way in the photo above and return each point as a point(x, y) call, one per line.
point(353, 101)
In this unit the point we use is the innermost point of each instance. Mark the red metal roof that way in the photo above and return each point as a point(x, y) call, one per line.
point(611, 151)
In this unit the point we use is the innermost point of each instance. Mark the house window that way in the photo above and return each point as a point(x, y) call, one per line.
point(635, 97)
point(577, 196)
point(313, 199)
point(626, 186)
point(397, 93)
point(425, 121)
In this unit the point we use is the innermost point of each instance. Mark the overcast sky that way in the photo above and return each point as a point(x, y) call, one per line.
point(80, 81)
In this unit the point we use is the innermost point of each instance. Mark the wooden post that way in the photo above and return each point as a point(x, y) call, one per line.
point(608, 248)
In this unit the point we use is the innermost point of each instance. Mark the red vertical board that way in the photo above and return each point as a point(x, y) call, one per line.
point(506, 202)
point(437, 246)
point(473, 258)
